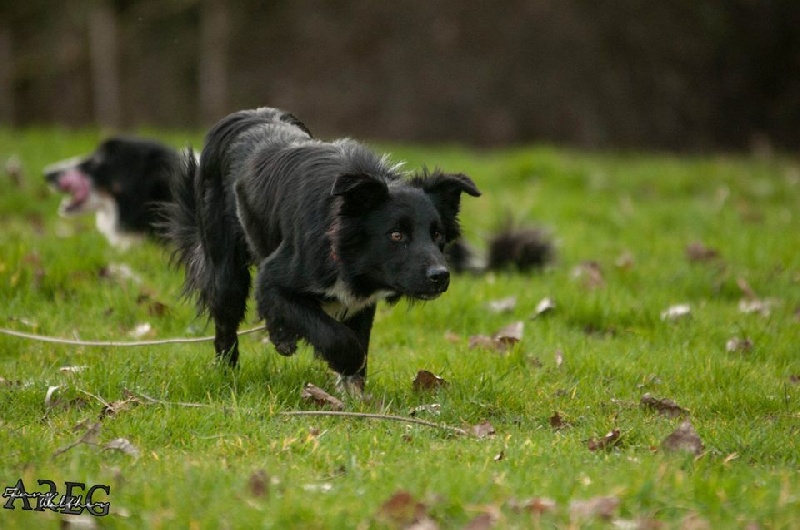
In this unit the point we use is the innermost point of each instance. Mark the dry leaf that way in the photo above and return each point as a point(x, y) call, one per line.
point(559, 358)
point(502, 341)
point(114, 408)
point(684, 439)
point(483, 429)
point(625, 261)
point(697, 252)
point(747, 291)
point(503, 305)
point(764, 307)
point(402, 509)
point(794, 379)
point(666, 407)
point(258, 484)
point(676, 312)
point(141, 330)
point(598, 507)
point(452, 337)
point(536, 505)
point(426, 380)
point(482, 521)
point(606, 442)
point(321, 398)
point(122, 445)
point(557, 422)
point(591, 274)
point(433, 408)
point(735, 344)
point(499, 456)
point(49, 402)
point(72, 369)
point(545, 305)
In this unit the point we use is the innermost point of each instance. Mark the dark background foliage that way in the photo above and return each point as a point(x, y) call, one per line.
point(679, 75)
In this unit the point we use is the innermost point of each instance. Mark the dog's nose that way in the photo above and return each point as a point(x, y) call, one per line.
point(439, 275)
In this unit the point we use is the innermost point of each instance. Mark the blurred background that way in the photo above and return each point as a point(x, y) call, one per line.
point(684, 75)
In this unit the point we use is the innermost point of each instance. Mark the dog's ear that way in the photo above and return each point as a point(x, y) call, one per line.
point(444, 190)
point(360, 192)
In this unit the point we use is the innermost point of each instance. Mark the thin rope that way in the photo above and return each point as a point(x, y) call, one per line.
point(114, 343)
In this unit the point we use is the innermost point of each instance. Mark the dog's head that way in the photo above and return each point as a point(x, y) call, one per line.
point(116, 168)
point(390, 235)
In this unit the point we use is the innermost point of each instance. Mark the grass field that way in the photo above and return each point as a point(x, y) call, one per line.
point(578, 373)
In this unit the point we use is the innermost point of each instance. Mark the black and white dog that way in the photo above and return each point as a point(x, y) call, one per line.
point(332, 227)
point(123, 181)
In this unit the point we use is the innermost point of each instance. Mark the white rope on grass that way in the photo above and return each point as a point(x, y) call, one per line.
point(114, 343)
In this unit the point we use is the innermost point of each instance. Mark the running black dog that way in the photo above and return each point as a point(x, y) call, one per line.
point(332, 227)
point(123, 181)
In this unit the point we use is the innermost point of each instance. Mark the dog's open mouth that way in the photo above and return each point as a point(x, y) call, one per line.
point(79, 188)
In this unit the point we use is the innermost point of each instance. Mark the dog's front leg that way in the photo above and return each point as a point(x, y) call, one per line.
point(295, 315)
point(361, 324)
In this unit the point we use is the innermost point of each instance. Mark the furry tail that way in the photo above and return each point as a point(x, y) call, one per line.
point(182, 230)
point(521, 249)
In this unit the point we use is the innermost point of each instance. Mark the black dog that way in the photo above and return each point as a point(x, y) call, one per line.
point(332, 227)
point(123, 181)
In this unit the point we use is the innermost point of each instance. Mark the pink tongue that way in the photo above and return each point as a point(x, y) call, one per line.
point(76, 184)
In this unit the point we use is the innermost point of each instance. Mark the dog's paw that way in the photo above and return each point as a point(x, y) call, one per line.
point(285, 343)
point(351, 385)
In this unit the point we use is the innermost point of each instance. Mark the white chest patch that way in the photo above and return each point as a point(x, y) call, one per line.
point(107, 222)
point(345, 304)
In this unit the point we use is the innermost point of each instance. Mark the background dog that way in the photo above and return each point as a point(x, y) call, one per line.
point(333, 228)
point(123, 181)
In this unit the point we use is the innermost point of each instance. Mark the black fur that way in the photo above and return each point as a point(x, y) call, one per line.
point(127, 175)
point(520, 249)
point(332, 228)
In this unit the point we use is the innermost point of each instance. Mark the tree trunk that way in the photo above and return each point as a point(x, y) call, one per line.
point(213, 82)
point(105, 68)
point(6, 77)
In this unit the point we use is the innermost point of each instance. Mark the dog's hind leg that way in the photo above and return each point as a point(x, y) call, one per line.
point(228, 306)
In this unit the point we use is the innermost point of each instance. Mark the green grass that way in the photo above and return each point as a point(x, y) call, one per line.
point(195, 464)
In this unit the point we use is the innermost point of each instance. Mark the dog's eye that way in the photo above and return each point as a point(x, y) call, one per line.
point(396, 236)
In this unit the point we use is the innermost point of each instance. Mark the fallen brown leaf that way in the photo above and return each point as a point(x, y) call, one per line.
point(482, 521)
point(321, 398)
point(676, 312)
point(557, 422)
point(735, 344)
point(591, 273)
point(794, 379)
point(258, 484)
point(625, 261)
point(697, 252)
point(499, 456)
point(596, 508)
point(502, 341)
point(452, 337)
point(536, 505)
point(545, 306)
point(503, 305)
point(122, 445)
point(747, 291)
point(606, 442)
point(664, 406)
point(684, 439)
point(402, 509)
point(483, 429)
point(426, 380)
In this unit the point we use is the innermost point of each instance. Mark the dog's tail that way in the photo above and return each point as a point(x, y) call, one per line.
point(518, 249)
point(182, 228)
